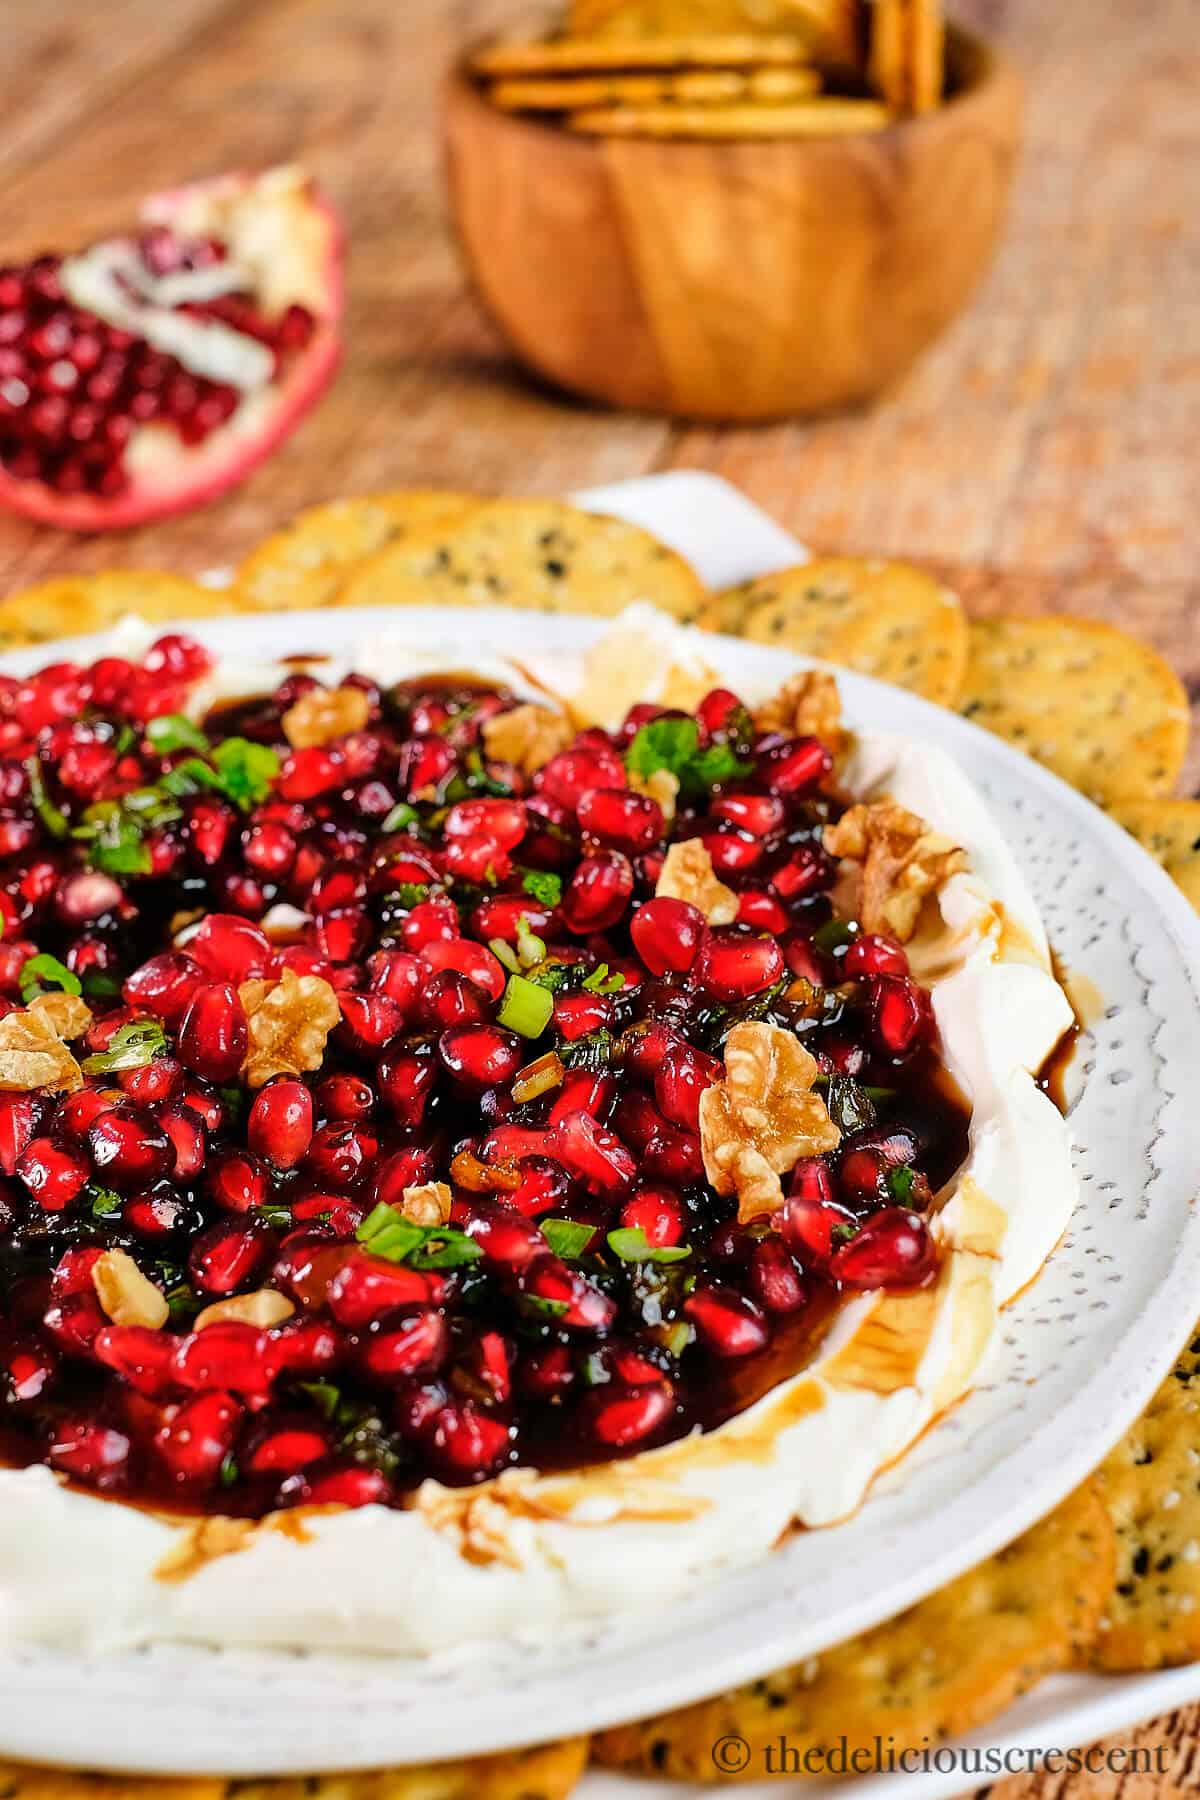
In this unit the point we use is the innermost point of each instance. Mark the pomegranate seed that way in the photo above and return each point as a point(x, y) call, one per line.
point(141, 1357)
point(872, 955)
point(80, 898)
point(620, 819)
point(583, 1091)
point(667, 935)
point(89, 1451)
point(19, 1117)
point(596, 1156)
point(598, 893)
point(398, 975)
point(618, 1420)
point(213, 1037)
point(466, 958)
point(507, 1238)
point(413, 1344)
point(732, 852)
point(346, 1097)
point(572, 773)
point(576, 1015)
point(406, 1081)
point(371, 1020)
point(733, 964)
point(304, 1347)
point(812, 1228)
point(548, 1372)
point(307, 774)
point(186, 1133)
point(238, 1181)
point(53, 1175)
point(178, 657)
point(467, 1444)
point(899, 1014)
point(341, 1155)
point(761, 912)
point(578, 1305)
point(284, 1449)
point(164, 986)
point(74, 1322)
point(504, 821)
point(364, 1289)
point(227, 1255)
point(659, 1213)
point(796, 766)
point(280, 1125)
point(225, 1355)
point(543, 1186)
point(347, 1487)
point(480, 1056)
point(727, 1323)
point(757, 814)
point(407, 1168)
point(230, 949)
point(450, 999)
point(774, 1278)
point(683, 1076)
point(807, 871)
point(195, 1441)
point(129, 1148)
point(30, 1371)
point(893, 1249)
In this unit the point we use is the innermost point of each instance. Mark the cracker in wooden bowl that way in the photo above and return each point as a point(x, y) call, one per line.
point(825, 115)
point(1151, 1487)
point(1170, 831)
point(307, 564)
point(542, 554)
point(696, 87)
point(945, 1666)
point(886, 619)
point(1097, 706)
point(833, 31)
point(560, 56)
point(549, 1773)
point(71, 605)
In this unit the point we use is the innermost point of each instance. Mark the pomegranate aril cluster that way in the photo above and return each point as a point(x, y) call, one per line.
point(526, 1031)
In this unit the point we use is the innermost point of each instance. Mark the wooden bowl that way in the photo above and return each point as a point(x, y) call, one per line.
point(733, 281)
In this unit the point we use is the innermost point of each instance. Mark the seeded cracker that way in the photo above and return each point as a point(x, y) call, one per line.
point(886, 619)
point(830, 29)
point(946, 1666)
point(1170, 831)
point(1097, 706)
point(582, 55)
point(308, 563)
point(820, 117)
point(541, 554)
point(550, 1773)
point(1151, 1486)
point(71, 605)
point(701, 87)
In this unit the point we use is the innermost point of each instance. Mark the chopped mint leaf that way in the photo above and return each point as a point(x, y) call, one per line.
point(323, 1394)
point(566, 1238)
point(241, 770)
point(835, 935)
point(40, 974)
point(114, 830)
point(631, 1244)
point(408, 895)
point(592, 1051)
point(900, 1183)
point(542, 885)
point(842, 1234)
point(103, 1200)
point(674, 744)
point(172, 731)
point(538, 1308)
point(132, 1047)
point(386, 1233)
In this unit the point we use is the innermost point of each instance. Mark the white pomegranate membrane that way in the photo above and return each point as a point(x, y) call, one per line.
point(521, 1019)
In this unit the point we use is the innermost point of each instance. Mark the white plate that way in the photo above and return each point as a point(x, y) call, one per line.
point(1082, 1351)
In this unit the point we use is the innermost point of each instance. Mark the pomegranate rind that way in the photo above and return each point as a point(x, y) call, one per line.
point(168, 478)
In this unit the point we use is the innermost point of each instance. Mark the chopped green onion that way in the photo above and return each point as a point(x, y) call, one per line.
point(526, 1008)
point(41, 973)
point(601, 982)
point(566, 1238)
point(676, 1337)
point(324, 1395)
point(408, 895)
point(401, 817)
point(531, 949)
point(229, 1473)
point(631, 1245)
point(132, 1047)
point(504, 953)
point(543, 885)
point(538, 1308)
point(172, 731)
point(834, 935)
point(592, 1051)
point(52, 817)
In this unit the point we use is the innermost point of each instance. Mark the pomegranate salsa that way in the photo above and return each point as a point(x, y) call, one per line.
point(363, 1063)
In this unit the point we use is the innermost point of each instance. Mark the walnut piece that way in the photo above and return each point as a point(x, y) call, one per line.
point(33, 1055)
point(763, 1118)
point(289, 1021)
point(68, 1014)
point(324, 714)
point(659, 785)
point(527, 737)
point(427, 1204)
point(901, 861)
point(688, 874)
point(808, 705)
point(266, 1307)
point(126, 1296)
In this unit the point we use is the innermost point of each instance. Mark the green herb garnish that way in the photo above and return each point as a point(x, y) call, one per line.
point(40, 974)
point(104, 1201)
point(241, 770)
point(408, 895)
point(835, 935)
point(592, 1051)
point(900, 1183)
point(674, 744)
point(323, 1394)
point(601, 982)
point(848, 1104)
point(631, 1244)
point(386, 1233)
point(531, 949)
point(567, 1238)
point(542, 885)
point(401, 817)
point(132, 1047)
point(52, 817)
point(172, 731)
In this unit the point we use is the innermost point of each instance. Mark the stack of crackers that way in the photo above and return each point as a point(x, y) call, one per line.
point(725, 69)
point(1111, 1580)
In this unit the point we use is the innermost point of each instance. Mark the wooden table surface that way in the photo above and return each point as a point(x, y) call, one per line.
point(1043, 453)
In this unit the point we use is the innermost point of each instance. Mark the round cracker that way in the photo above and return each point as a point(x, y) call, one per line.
point(72, 605)
point(885, 619)
point(699, 87)
point(548, 1773)
point(943, 1667)
point(1151, 1487)
point(540, 554)
point(305, 565)
point(560, 56)
point(1097, 706)
point(819, 117)
point(1170, 831)
point(723, 612)
point(830, 29)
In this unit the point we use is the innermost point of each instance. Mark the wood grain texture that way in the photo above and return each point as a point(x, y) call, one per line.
point(728, 281)
point(1042, 453)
